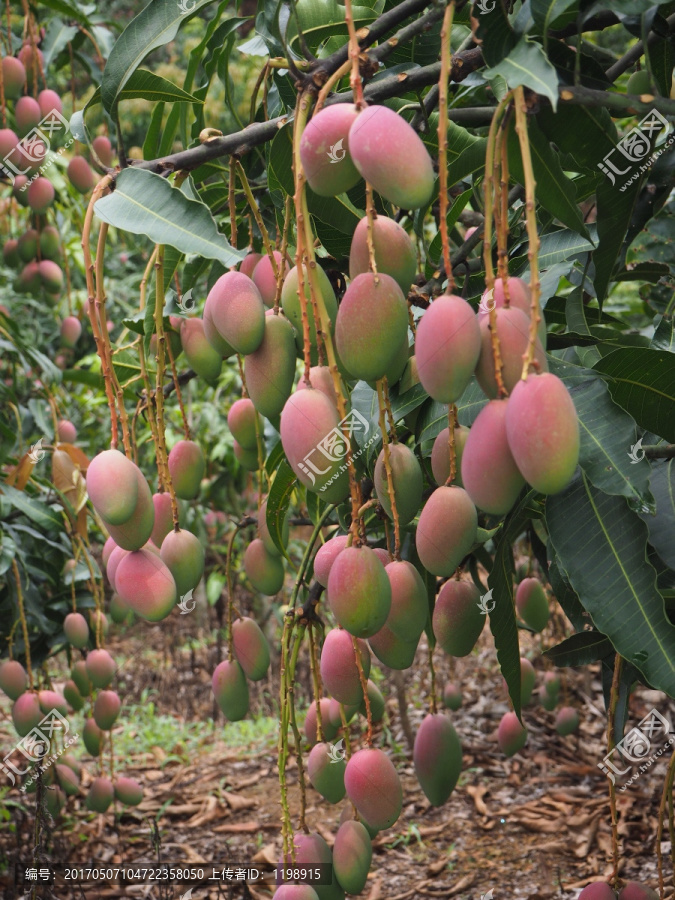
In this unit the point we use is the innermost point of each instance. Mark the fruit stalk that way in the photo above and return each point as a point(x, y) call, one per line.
point(531, 219)
point(179, 394)
point(282, 747)
point(387, 469)
point(371, 215)
point(269, 249)
point(354, 50)
point(446, 32)
point(296, 732)
point(432, 674)
point(503, 231)
point(24, 625)
point(231, 202)
point(611, 744)
point(316, 681)
point(452, 450)
point(364, 688)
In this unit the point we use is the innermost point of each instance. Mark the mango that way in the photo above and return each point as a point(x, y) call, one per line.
point(528, 678)
point(635, 891)
point(106, 709)
point(457, 619)
point(409, 601)
point(359, 592)
point(440, 455)
point(51, 700)
point(113, 487)
point(398, 364)
point(250, 648)
point(447, 347)
point(532, 604)
point(308, 419)
point(389, 154)
point(51, 276)
point(513, 330)
point(145, 583)
point(437, 758)
point(295, 892)
point(552, 684)
point(324, 150)
point(80, 174)
point(13, 77)
point(248, 264)
point(98, 622)
point(374, 788)
point(321, 379)
point(66, 432)
point(28, 244)
point(199, 352)
point(115, 558)
point(10, 252)
point(67, 779)
point(371, 324)
point(26, 114)
point(76, 630)
point(542, 430)
point(395, 253)
point(26, 713)
point(452, 696)
point(326, 556)
point(237, 311)
point(270, 370)
point(186, 467)
point(128, 791)
point(489, 472)
point(182, 553)
point(290, 303)
point(376, 702)
point(71, 329)
point(163, 517)
point(49, 102)
point(567, 720)
point(511, 734)
point(41, 195)
point(598, 890)
point(339, 670)
point(100, 668)
point(312, 848)
point(18, 192)
point(407, 482)
point(241, 420)
point(100, 795)
point(80, 678)
point(391, 650)
point(73, 696)
point(13, 678)
point(50, 245)
point(264, 533)
point(264, 571)
point(212, 335)
point(93, 738)
point(446, 530)
point(230, 689)
point(326, 774)
point(352, 856)
point(264, 280)
point(519, 297)
point(135, 532)
point(329, 727)
point(248, 459)
point(103, 149)
point(120, 611)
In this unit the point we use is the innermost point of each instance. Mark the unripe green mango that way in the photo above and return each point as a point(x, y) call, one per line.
point(446, 530)
point(264, 533)
point(391, 650)
point(73, 696)
point(100, 668)
point(542, 429)
point(250, 648)
point(13, 77)
point(489, 472)
point(311, 849)
point(237, 311)
point(440, 455)
point(76, 630)
point(394, 251)
point(567, 720)
point(241, 420)
point(600, 890)
point(324, 150)
point(389, 154)
point(264, 571)
point(352, 856)
point(374, 788)
point(28, 243)
point(163, 517)
point(10, 253)
point(135, 532)
point(145, 583)
point(106, 709)
point(199, 352)
point(511, 735)
point(50, 243)
point(359, 593)
point(186, 467)
point(532, 604)
point(452, 696)
point(183, 554)
point(528, 679)
point(80, 174)
point(339, 670)
point(212, 335)
point(290, 303)
point(457, 619)
point(270, 370)
point(26, 713)
point(13, 678)
point(437, 758)
point(113, 486)
point(67, 779)
point(93, 738)
point(231, 690)
point(128, 791)
point(248, 459)
point(447, 347)
point(376, 701)
point(409, 601)
point(100, 795)
point(41, 195)
point(326, 774)
point(639, 83)
point(80, 678)
point(51, 276)
point(329, 727)
point(120, 611)
point(407, 482)
point(371, 325)
point(513, 328)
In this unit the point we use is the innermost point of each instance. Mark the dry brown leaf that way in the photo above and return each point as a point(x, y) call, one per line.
point(376, 890)
point(269, 854)
point(477, 792)
point(235, 802)
point(241, 828)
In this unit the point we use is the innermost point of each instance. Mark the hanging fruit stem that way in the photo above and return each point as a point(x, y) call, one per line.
point(256, 213)
point(611, 743)
point(354, 50)
point(503, 230)
point(231, 202)
point(452, 450)
point(24, 625)
point(364, 688)
point(294, 725)
point(371, 215)
point(387, 468)
point(531, 219)
point(446, 31)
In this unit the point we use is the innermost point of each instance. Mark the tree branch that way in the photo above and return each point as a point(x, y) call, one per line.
point(636, 51)
point(621, 104)
point(660, 451)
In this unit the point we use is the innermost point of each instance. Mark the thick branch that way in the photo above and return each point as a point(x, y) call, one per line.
point(620, 104)
point(660, 451)
point(636, 51)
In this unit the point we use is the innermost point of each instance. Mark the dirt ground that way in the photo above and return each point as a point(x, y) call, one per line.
point(535, 826)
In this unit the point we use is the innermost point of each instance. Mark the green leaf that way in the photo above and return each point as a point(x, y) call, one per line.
point(528, 65)
point(500, 582)
point(566, 596)
point(57, 38)
point(555, 247)
point(278, 502)
point(580, 649)
point(602, 545)
point(555, 191)
point(68, 10)
point(494, 30)
point(214, 587)
point(664, 335)
point(145, 85)
point(662, 525)
point(39, 512)
point(553, 14)
point(587, 134)
point(435, 247)
point(145, 203)
point(434, 417)
point(615, 209)
point(642, 381)
point(153, 27)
